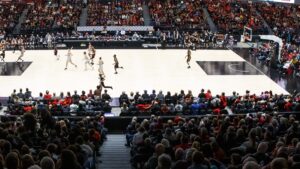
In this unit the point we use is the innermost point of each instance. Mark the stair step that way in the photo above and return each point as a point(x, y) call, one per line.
point(83, 17)
point(146, 15)
point(114, 153)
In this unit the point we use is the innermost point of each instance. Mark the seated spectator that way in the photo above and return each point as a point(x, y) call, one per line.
point(198, 161)
point(12, 161)
point(279, 163)
point(152, 163)
point(47, 163)
point(68, 160)
point(164, 162)
point(47, 96)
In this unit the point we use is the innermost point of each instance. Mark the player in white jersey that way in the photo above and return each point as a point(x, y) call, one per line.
point(14, 44)
point(87, 61)
point(100, 69)
point(188, 58)
point(2, 48)
point(69, 59)
point(22, 50)
point(92, 53)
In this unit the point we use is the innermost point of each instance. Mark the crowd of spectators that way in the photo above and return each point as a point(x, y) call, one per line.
point(43, 142)
point(39, 17)
point(33, 41)
point(169, 38)
point(77, 104)
point(98, 102)
point(42, 17)
point(49, 40)
point(289, 62)
point(283, 19)
point(187, 14)
point(115, 13)
point(67, 16)
point(205, 103)
point(9, 16)
point(232, 16)
point(233, 142)
point(264, 52)
point(287, 28)
point(193, 39)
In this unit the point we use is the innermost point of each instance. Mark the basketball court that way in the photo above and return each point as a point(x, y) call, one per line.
point(144, 69)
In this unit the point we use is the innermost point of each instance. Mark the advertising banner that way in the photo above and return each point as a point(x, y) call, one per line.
point(282, 1)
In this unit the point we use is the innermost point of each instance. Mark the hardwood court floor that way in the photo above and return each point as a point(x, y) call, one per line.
point(144, 69)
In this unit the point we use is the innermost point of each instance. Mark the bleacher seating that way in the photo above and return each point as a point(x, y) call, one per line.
point(283, 19)
point(205, 103)
point(9, 16)
point(84, 104)
point(186, 14)
point(261, 141)
point(41, 140)
point(115, 13)
point(232, 16)
point(43, 18)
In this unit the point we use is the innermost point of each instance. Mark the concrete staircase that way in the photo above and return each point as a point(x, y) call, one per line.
point(83, 17)
point(22, 18)
point(146, 15)
point(210, 22)
point(114, 154)
point(266, 25)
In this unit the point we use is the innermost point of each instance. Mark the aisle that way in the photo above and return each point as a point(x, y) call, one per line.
point(114, 154)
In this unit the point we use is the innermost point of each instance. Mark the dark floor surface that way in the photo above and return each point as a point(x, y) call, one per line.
point(289, 83)
point(13, 68)
point(228, 68)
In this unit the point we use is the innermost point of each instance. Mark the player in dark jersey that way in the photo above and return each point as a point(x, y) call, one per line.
point(102, 82)
point(56, 53)
point(116, 64)
point(2, 55)
point(188, 58)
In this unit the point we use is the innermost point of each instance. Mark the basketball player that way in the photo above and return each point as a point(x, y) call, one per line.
point(69, 58)
point(100, 69)
point(92, 53)
point(14, 44)
point(22, 50)
point(87, 61)
point(116, 64)
point(20, 42)
point(2, 55)
point(56, 53)
point(3, 43)
point(102, 83)
point(189, 57)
